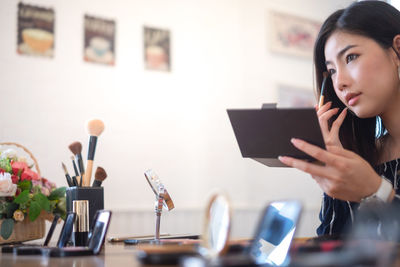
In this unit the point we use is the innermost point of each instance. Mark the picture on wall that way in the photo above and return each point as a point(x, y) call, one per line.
point(35, 28)
point(292, 35)
point(295, 97)
point(157, 53)
point(99, 40)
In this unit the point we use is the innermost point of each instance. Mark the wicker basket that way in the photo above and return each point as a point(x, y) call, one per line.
point(26, 230)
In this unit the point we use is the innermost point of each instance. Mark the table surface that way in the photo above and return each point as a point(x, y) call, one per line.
point(112, 255)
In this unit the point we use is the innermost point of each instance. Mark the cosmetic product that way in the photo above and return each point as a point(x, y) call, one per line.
point(66, 231)
point(95, 128)
point(95, 196)
point(51, 230)
point(99, 176)
point(321, 97)
point(81, 226)
point(76, 149)
point(94, 242)
point(69, 180)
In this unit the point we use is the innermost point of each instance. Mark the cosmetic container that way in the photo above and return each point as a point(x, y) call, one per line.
point(94, 195)
point(81, 226)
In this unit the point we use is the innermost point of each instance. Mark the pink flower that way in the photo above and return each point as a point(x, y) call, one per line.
point(28, 174)
point(14, 179)
point(18, 165)
point(45, 191)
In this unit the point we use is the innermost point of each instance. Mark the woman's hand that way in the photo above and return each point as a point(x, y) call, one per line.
point(331, 137)
point(345, 175)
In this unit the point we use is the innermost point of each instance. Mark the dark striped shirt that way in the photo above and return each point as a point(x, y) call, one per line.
point(337, 216)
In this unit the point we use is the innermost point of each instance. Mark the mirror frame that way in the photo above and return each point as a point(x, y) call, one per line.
point(205, 242)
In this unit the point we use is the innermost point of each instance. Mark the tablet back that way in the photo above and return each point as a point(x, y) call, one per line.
point(264, 134)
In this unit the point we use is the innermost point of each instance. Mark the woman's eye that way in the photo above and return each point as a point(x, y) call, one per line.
point(351, 57)
point(331, 71)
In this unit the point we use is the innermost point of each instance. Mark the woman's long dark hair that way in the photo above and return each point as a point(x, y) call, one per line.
point(373, 19)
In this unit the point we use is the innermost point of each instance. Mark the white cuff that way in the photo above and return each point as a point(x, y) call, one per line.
point(383, 193)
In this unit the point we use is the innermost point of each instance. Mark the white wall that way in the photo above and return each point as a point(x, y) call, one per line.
point(175, 123)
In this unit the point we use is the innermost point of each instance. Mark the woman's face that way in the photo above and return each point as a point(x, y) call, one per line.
point(364, 75)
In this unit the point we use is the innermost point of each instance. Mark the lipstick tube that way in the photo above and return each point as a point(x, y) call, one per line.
point(81, 226)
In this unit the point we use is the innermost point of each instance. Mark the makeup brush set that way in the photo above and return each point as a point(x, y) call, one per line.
point(83, 197)
point(83, 176)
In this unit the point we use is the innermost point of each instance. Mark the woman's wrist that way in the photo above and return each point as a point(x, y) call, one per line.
point(384, 193)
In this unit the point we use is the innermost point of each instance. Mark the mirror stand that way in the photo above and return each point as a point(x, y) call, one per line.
point(158, 209)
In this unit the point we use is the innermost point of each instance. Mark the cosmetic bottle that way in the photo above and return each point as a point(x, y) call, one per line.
point(81, 226)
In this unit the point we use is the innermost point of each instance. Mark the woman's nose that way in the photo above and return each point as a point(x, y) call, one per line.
point(342, 80)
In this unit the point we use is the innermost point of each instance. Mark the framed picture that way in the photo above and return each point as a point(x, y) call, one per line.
point(99, 40)
point(35, 28)
point(292, 96)
point(157, 53)
point(292, 35)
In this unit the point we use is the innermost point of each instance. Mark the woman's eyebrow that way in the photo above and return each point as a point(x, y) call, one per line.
point(341, 52)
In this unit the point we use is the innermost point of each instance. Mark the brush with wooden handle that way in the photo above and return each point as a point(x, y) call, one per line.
point(95, 128)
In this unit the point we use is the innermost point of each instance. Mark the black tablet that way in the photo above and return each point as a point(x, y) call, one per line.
point(264, 134)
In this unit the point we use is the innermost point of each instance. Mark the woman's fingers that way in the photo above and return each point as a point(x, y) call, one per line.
point(341, 152)
point(323, 121)
point(313, 169)
point(324, 108)
point(318, 153)
point(338, 122)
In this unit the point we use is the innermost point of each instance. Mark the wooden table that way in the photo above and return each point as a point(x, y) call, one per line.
point(112, 255)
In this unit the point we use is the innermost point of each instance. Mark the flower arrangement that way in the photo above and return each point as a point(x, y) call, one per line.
point(23, 193)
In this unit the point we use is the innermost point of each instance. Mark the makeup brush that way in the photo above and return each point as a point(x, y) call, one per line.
point(74, 181)
point(69, 180)
point(99, 176)
point(95, 128)
point(75, 168)
point(77, 176)
point(321, 96)
point(76, 149)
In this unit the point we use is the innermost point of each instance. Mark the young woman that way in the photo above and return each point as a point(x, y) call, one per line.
point(359, 47)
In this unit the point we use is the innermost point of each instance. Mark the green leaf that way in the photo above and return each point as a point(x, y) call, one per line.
point(22, 198)
point(42, 201)
point(11, 207)
point(6, 228)
point(57, 193)
point(5, 164)
point(25, 185)
point(34, 210)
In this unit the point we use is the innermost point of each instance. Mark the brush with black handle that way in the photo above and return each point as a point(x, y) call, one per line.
point(99, 176)
point(76, 149)
point(69, 180)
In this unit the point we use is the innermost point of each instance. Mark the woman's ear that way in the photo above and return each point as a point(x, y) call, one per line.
point(396, 48)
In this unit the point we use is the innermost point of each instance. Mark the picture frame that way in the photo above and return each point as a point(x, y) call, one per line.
point(292, 35)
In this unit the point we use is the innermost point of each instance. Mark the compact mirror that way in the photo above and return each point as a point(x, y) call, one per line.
point(217, 226)
point(155, 183)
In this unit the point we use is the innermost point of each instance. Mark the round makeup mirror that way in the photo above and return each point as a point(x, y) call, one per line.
point(217, 226)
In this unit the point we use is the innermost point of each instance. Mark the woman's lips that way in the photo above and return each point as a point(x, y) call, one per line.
point(353, 99)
